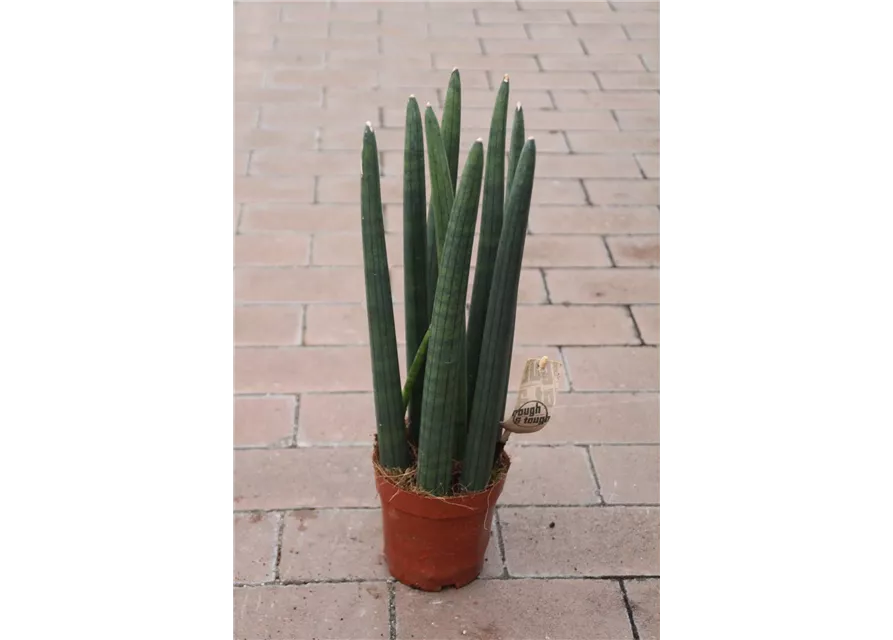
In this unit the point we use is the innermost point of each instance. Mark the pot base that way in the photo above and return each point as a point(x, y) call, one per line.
point(431, 586)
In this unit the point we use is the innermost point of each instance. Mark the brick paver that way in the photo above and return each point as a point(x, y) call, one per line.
point(575, 546)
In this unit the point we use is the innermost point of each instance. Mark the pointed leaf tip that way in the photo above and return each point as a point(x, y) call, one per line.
point(518, 107)
point(505, 78)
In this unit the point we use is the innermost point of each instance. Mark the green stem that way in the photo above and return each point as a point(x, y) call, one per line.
point(417, 363)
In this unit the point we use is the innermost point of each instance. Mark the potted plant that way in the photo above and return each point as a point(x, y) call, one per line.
point(440, 468)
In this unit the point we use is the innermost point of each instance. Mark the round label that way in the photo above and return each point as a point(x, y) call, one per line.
point(530, 417)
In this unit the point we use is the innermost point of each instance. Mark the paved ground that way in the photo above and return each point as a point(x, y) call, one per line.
point(575, 553)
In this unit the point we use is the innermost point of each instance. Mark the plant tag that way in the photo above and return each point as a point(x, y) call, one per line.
point(537, 395)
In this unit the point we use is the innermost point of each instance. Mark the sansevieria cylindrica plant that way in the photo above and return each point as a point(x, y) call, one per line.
point(442, 426)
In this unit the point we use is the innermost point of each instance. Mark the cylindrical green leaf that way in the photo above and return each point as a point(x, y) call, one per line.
point(441, 188)
point(491, 226)
point(431, 259)
point(393, 448)
point(415, 285)
point(452, 124)
point(516, 145)
point(452, 119)
point(496, 350)
point(443, 375)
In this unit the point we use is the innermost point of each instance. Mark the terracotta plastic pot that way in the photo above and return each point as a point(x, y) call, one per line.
point(431, 543)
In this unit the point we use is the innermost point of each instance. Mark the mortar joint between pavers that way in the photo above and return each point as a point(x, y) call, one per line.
point(280, 526)
point(632, 317)
point(629, 610)
point(567, 143)
point(303, 336)
point(567, 369)
point(562, 576)
point(546, 286)
point(608, 249)
point(598, 486)
point(296, 416)
point(500, 543)
point(639, 164)
point(551, 97)
point(392, 610)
